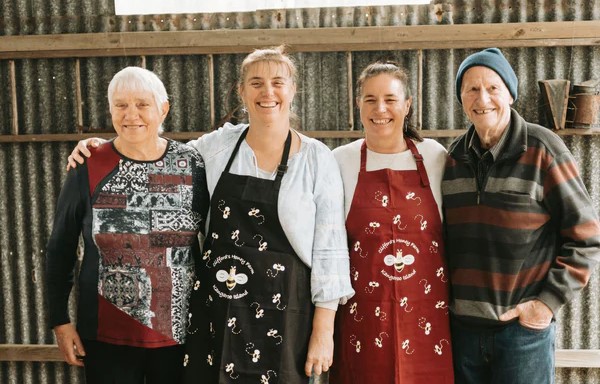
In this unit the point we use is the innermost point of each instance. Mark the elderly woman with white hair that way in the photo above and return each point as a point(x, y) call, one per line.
point(139, 204)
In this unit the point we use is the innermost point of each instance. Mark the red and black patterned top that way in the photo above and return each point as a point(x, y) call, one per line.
point(140, 223)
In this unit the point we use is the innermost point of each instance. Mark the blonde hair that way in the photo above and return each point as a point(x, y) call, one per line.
point(269, 55)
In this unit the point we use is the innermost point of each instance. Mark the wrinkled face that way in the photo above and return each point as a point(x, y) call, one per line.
point(383, 107)
point(268, 91)
point(136, 117)
point(485, 99)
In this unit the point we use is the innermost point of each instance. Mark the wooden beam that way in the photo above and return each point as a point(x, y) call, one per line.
point(184, 136)
point(565, 358)
point(536, 34)
point(211, 89)
point(578, 358)
point(181, 136)
point(78, 98)
point(30, 352)
point(419, 90)
point(350, 85)
point(14, 121)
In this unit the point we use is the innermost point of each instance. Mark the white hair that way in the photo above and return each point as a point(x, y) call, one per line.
point(138, 79)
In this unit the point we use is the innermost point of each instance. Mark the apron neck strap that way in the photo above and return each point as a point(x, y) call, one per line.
point(363, 156)
point(281, 168)
point(419, 160)
point(235, 150)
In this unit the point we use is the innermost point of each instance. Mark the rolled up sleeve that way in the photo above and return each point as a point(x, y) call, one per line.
point(330, 276)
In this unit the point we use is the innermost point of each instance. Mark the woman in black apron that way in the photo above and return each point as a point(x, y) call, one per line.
point(252, 313)
point(275, 260)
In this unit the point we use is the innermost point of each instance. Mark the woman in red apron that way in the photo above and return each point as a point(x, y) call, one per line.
point(396, 328)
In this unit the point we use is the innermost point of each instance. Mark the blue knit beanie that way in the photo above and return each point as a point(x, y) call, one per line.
point(494, 60)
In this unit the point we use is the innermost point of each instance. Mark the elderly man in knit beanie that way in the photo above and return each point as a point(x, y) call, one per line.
point(522, 233)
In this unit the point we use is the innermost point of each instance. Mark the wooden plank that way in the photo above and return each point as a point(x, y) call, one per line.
point(211, 89)
point(308, 47)
point(78, 99)
point(441, 133)
point(419, 90)
point(578, 132)
point(52, 137)
point(29, 352)
point(183, 136)
point(14, 122)
point(578, 358)
point(350, 85)
point(565, 358)
point(537, 34)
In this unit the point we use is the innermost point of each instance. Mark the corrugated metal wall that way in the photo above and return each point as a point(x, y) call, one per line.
point(31, 173)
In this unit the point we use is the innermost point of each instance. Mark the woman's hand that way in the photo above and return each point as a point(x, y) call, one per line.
point(320, 346)
point(82, 149)
point(69, 344)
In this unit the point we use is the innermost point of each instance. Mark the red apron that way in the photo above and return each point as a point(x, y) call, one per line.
point(396, 328)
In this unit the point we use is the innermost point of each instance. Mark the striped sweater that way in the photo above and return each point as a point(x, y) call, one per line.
point(528, 232)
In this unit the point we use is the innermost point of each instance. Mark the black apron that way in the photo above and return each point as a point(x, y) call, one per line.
point(251, 310)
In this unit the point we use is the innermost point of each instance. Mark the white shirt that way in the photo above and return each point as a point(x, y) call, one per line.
point(310, 206)
point(348, 158)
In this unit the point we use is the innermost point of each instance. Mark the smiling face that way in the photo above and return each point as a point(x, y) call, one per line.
point(136, 117)
point(383, 107)
point(267, 91)
point(486, 102)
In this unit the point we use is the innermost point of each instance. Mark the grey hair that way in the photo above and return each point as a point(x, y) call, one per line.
point(138, 79)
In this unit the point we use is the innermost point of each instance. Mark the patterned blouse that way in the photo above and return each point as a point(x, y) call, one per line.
point(140, 222)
